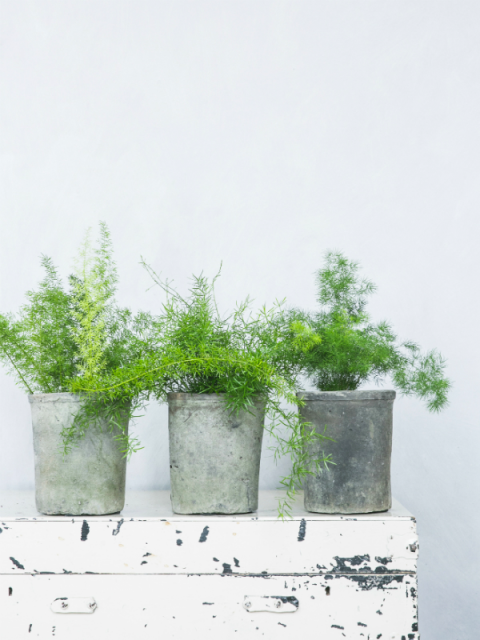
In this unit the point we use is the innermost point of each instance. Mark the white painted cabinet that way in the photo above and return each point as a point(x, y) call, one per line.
point(148, 573)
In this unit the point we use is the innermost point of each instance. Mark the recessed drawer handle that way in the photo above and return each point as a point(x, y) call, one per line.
point(273, 604)
point(73, 605)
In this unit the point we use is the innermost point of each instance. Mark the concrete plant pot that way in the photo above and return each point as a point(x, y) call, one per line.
point(90, 480)
point(214, 455)
point(360, 423)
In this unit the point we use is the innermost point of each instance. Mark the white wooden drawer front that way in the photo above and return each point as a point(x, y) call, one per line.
point(208, 546)
point(360, 606)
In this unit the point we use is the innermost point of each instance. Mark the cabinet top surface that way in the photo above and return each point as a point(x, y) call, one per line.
point(155, 505)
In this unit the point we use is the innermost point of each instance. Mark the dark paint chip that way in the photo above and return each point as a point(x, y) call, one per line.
point(85, 531)
point(204, 534)
point(302, 530)
point(116, 531)
point(17, 563)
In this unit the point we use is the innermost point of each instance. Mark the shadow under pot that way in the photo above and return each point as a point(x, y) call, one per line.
point(360, 425)
point(214, 454)
point(90, 479)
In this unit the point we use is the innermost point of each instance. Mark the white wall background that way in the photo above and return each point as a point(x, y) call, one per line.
point(262, 133)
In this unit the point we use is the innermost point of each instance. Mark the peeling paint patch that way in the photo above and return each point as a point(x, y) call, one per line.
point(17, 563)
point(145, 555)
point(85, 531)
point(383, 560)
point(116, 531)
point(208, 603)
point(30, 629)
point(281, 623)
point(65, 571)
point(216, 560)
point(369, 582)
point(204, 534)
point(179, 542)
point(336, 626)
point(302, 530)
point(353, 562)
point(227, 568)
point(237, 563)
point(415, 626)
point(361, 624)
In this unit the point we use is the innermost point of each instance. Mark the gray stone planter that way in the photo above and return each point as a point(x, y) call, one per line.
point(214, 455)
point(360, 422)
point(90, 480)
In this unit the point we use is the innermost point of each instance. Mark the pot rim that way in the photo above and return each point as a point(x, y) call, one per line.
point(347, 396)
point(180, 396)
point(64, 396)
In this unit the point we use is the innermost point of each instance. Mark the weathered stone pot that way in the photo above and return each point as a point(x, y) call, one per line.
point(214, 454)
point(90, 480)
point(360, 423)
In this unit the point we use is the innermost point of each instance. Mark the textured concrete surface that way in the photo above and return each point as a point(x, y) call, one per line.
point(89, 480)
point(214, 455)
point(360, 422)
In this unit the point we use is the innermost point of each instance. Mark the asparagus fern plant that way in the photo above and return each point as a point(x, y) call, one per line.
point(352, 350)
point(63, 338)
point(241, 356)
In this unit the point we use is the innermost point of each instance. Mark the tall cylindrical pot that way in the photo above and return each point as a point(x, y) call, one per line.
point(360, 424)
point(214, 454)
point(90, 479)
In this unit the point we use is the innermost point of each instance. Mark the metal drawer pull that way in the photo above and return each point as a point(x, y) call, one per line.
point(73, 605)
point(273, 604)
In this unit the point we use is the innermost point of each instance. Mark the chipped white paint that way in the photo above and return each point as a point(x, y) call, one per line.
point(73, 605)
point(272, 604)
point(180, 576)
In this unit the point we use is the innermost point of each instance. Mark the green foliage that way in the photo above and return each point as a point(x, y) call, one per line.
point(242, 356)
point(352, 350)
point(37, 346)
point(93, 287)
